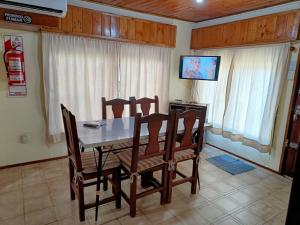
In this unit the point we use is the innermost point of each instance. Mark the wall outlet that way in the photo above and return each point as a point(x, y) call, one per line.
point(25, 138)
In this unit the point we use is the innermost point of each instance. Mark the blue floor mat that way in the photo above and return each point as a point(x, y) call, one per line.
point(229, 164)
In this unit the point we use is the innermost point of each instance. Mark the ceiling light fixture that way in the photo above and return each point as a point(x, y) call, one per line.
point(199, 1)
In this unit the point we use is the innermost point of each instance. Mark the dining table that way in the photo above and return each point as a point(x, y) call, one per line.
point(114, 131)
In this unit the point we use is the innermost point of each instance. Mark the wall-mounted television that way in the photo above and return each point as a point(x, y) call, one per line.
point(199, 67)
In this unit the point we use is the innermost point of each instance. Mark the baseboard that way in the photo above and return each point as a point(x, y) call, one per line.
point(238, 156)
point(32, 162)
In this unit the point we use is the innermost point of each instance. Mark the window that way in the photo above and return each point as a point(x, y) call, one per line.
point(79, 71)
point(244, 101)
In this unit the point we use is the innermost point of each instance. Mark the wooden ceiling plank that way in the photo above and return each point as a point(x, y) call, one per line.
point(189, 10)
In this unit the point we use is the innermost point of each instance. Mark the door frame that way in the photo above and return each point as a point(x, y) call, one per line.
point(296, 86)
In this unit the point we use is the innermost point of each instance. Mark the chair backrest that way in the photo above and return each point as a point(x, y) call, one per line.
point(154, 123)
point(185, 139)
point(71, 138)
point(145, 104)
point(117, 106)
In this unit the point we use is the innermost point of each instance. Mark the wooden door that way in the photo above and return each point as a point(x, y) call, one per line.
point(293, 216)
point(293, 143)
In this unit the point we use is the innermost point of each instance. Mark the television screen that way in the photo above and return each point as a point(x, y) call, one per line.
point(199, 67)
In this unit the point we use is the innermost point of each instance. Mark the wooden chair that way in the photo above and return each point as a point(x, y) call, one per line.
point(117, 106)
point(145, 105)
point(83, 167)
point(185, 147)
point(152, 157)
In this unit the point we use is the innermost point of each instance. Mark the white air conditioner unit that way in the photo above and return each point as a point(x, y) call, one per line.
point(49, 7)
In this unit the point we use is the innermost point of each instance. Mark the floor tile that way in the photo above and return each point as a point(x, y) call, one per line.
point(140, 219)
point(11, 205)
point(19, 220)
point(211, 213)
point(192, 217)
point(227, 204)
point(228, 220)
point(41, 217)
point(247, 218)
point(34, 204)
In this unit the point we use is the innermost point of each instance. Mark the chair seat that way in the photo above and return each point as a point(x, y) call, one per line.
point(90, 159)
point(183, 155)
point(144, 164)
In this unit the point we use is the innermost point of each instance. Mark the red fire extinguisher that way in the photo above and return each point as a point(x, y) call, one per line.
point(14, 62)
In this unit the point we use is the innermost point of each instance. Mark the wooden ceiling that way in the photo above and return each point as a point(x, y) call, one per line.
point(190, 10)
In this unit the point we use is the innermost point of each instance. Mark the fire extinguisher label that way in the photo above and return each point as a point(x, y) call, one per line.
point(14, 64)
point(18, 77)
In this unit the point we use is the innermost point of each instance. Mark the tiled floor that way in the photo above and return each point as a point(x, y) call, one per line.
point(38, 195)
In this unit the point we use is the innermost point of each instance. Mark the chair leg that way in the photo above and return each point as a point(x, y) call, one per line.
point(118, 188)
point(133, 197)
point(164, 181)
point(170, 186)
point(195, 176)
point(105, 183)
point(81, 201)
point(71, 174)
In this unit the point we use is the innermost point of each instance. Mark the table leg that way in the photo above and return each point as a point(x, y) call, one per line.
point(99, 169)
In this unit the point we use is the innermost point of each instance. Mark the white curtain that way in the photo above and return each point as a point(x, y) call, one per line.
point(145, 72)
point(214, 93)
point(254, 93)
point(79, 71)
point(243, 102)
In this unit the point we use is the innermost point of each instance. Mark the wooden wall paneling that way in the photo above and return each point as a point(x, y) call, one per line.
point(87, 21)
point(243, 31)
point(281, 24)
point(153, 30)
point(67, 21)
point(266, 29)
point(106, 25)
point(115, 26)
point(217, 35)
point(139, 30)
point(147, 31)
point(173, 36)
point(167, 35)
point(131, 29)
point(97, 23)
point(91, 23)
point(251, 33)
point(77, 20)
point(160, 35)
point(196, 38)
point(273, 28)
point(292, 26)
point(208, 35)
point(123, 27)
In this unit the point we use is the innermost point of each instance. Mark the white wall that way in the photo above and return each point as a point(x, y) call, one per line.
point(272, 159)
point(180, 89)
point(24, 115)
